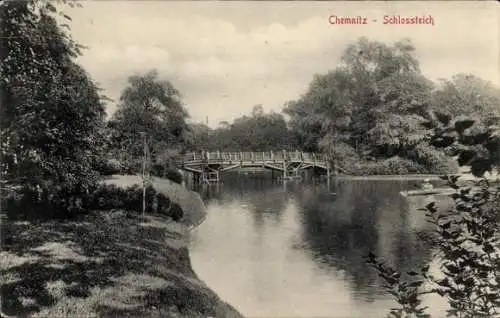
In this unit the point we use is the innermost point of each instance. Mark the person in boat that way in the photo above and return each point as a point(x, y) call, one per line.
point(427, 185)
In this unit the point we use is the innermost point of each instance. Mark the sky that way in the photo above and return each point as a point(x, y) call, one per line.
point(226, 57)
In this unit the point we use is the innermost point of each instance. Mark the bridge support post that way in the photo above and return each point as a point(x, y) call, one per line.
point(202, 177)
point(328, 177)
point(284, 170)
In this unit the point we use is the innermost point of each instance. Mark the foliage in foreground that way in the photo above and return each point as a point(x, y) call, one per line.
point(52, 114)
point(466, 237)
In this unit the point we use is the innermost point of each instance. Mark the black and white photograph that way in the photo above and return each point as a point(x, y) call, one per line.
point(259, 159)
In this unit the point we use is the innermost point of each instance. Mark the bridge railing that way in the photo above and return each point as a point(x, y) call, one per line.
point(254, 156)
point(192, 156)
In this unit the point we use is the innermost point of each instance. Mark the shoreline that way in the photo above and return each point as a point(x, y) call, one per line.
point(110, 263)
point(194, 209)
point(462, 177)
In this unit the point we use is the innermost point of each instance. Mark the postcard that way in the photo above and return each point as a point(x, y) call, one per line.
point(250, 159)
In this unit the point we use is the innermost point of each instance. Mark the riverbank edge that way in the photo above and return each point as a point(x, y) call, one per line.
point(195, 213)
point(462, 177)
point(107, 264)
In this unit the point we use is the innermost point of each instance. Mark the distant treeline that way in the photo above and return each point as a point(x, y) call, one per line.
point(366, 112)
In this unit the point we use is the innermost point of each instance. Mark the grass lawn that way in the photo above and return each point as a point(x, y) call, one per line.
point(106, 264)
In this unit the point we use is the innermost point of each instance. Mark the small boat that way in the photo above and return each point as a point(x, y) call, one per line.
point(437, 191)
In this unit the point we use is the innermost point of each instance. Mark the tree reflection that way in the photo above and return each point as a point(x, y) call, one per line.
point(364, 216)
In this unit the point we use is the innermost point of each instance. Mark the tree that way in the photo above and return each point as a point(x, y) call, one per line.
point(468, 95)
point(258, 132)
point(373, 102)
point(200, 136)
point(324, 112)
point(51, 109)
point(152, 106)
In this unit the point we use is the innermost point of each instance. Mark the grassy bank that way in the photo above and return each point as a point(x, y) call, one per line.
point(190, 202)
point(103, 264)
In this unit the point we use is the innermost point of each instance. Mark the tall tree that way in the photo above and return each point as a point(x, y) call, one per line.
point(151, 106)
point(323, 112)
point(51, 109)
point(468, 95)
point(372, 104)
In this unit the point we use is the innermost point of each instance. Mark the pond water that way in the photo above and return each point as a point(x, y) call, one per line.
point(296, 250)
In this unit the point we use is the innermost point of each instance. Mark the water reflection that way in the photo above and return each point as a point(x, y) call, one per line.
point(298, 250)
point(365, 216)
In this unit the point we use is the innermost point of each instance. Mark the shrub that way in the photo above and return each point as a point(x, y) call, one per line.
point(434, 160)
point(107, 197)
point(392, 166)
point(176, 212)
point(131, 167)
point(109, 167)
point(41, 203)
point(174, 175)
point(158, 170)
point(468, 248)
point(466, 237)
point(345, 156)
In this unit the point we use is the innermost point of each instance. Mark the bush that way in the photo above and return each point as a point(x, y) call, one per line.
point(434, 160)
point(107, 197)
point(174, 175)
point(176, 212)
point(466, 236)
point(392, 166)
point(345, 156)
point(131, 167)
point(109, 167)
point(170, 173)
point(158, 170)
point(41, 203)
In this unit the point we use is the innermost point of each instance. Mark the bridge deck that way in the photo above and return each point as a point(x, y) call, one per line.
point(271, 160)
point(197, 157)
point(208, 165)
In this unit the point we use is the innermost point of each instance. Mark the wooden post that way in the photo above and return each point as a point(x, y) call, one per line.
point(284, 170)
point(328, 178)
point(272, 156)
point(284, 166)
point(144, 174)
point(218, 155)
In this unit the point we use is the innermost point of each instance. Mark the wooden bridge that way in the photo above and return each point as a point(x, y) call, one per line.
point(206, 166)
